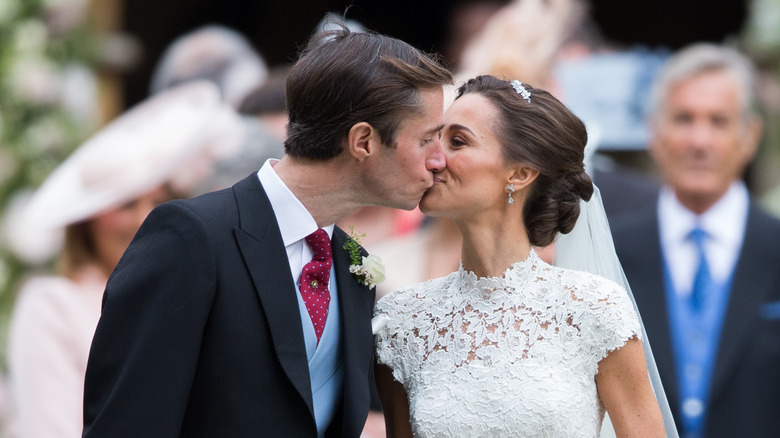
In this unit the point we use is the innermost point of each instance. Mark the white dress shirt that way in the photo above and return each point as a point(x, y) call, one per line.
point(724, 224)
point(295, 222)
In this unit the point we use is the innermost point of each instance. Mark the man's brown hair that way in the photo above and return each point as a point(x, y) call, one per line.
point(343, 78)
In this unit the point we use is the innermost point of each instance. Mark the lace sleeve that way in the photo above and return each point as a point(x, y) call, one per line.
point(609, 320)
point(390, 340)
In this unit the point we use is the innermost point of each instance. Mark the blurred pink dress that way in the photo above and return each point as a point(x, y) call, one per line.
point(51, 330)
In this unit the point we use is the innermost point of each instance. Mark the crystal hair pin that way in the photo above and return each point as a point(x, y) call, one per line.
point(521, 90)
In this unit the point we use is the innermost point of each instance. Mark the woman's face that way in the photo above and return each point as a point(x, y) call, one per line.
point(113, 229)
point(476, 175)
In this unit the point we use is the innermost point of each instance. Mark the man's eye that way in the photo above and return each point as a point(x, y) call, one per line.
point(720, 121)
point(682, 118)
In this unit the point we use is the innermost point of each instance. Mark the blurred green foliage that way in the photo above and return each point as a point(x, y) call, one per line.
point(47, 54)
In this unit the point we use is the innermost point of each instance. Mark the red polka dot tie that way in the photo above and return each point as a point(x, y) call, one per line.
point(315, 278)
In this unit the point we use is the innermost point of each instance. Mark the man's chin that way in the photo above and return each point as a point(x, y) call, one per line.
point(428, 207)
point(407, 205)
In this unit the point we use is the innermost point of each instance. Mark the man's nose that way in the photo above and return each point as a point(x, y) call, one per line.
point(436, 161)
point(701, 135)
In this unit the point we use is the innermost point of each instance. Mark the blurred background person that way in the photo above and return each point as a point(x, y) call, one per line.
point(263, 117)
point(100, 195)
point(702, 260)
point(267, 103)
point(264, 114)
point(216, 53)
point(432, 250)
point(465, 19)
point(226, 58)
point(521, 41)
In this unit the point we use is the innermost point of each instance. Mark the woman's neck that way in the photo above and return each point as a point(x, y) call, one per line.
point(492, 246)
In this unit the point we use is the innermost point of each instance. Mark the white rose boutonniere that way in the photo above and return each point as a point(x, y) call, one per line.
point(369, 271)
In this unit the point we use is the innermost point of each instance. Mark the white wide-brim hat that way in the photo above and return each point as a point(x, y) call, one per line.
point(135, 153)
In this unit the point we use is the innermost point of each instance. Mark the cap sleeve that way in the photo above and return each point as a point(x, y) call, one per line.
point(609, 320)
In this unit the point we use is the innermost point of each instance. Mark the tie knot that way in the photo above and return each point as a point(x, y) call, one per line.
point(319, 242)
point(698, 236)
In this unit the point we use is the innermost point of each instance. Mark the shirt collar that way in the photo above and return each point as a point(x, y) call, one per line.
point(295, 222)
point(724, 221)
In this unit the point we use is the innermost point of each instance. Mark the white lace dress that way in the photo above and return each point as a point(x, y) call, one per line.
point(511, 356)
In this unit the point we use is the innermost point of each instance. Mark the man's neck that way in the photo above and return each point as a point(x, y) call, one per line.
point(698, 204)
point(325, 188)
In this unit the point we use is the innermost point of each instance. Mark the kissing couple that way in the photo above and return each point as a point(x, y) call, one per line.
point(236, 313)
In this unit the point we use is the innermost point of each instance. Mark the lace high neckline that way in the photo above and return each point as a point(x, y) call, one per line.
point(516, 272)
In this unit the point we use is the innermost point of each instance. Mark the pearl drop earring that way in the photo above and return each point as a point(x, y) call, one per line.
point(510, 189)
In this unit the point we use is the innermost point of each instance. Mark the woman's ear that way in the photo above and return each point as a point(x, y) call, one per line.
point(522, 177)
point(360, 140)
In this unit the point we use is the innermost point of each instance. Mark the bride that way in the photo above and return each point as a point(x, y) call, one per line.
point(509, 345)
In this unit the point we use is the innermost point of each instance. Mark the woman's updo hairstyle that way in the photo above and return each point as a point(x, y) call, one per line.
point(537, 130)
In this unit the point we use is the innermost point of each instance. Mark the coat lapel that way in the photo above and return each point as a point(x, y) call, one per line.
point(356, 306)
point(262, 248)
point(750, 288)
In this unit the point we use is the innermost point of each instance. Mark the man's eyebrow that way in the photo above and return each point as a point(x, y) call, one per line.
point(435, 130)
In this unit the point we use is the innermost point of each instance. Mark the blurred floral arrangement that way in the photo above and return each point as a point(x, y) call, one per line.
point(48, 105)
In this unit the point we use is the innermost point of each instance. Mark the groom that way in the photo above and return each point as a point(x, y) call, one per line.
point(209, 328)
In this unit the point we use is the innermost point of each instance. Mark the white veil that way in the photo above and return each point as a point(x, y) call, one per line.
point(589, 247)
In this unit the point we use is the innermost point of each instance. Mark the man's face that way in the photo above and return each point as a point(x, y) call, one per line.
point(701, 138)
point(405, 172)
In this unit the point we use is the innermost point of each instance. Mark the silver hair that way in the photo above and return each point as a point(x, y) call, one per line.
point(703, 58)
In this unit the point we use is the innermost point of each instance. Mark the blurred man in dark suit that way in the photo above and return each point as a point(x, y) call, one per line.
point(703, 260)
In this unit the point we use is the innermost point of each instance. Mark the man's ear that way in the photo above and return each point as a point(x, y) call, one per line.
point(754, 128)
point(522, 177)
point(361, 140)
